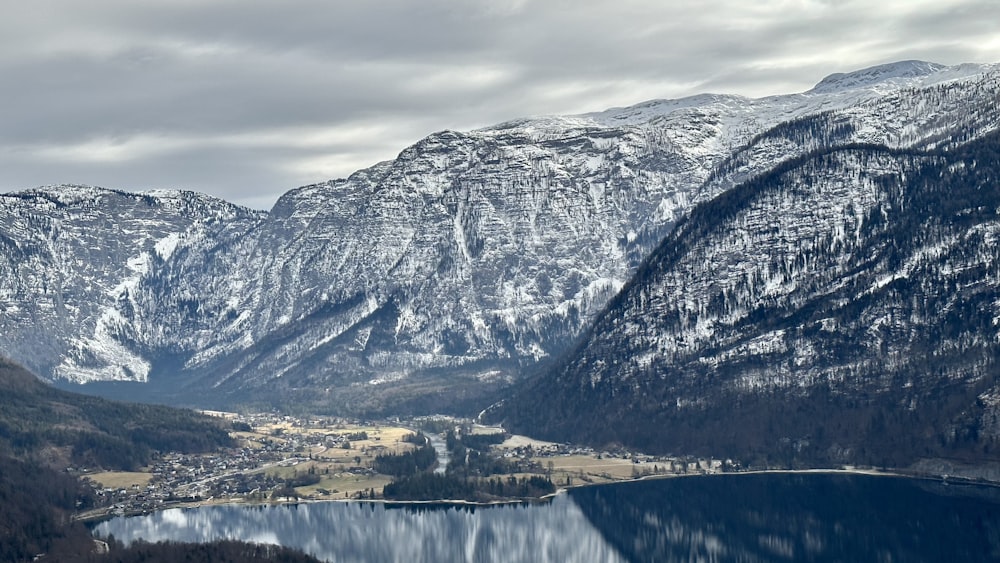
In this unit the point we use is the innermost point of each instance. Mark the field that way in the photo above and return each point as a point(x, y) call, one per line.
point(342, 467)
point(121, 479)
point(583, 468)
point(591, 469)
point(343, 485)
point(339, 457)
point(380, 439)
point(516, 441)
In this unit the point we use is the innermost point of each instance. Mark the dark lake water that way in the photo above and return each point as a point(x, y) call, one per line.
point(751, 517)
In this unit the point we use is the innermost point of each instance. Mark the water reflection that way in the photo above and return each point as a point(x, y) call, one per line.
point(775, 517)
point(796, 517)
point(340, 531)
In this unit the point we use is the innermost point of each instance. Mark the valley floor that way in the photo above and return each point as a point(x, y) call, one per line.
point(288, 459)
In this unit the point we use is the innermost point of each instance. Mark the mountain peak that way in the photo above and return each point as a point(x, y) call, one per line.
point(876, 75)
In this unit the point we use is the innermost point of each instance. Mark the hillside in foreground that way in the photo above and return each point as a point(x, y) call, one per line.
point(61, 429)
point(43, 430)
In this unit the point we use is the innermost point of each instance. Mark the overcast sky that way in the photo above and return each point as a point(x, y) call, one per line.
point(248, 99)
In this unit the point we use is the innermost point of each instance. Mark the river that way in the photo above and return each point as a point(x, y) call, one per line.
point(752, 517)
point(441, 448)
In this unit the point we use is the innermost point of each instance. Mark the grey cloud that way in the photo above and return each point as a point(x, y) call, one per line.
point(244, 176)
point(215, 95)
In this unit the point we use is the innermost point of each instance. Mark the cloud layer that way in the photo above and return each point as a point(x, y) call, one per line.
point(246, 100)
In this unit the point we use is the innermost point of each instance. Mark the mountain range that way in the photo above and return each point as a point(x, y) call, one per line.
point(437, 279)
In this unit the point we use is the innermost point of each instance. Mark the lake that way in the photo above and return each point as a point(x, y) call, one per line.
point(739, 517)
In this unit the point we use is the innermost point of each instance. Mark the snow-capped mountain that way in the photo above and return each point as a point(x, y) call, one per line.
point(468, 257)
point(844, 307)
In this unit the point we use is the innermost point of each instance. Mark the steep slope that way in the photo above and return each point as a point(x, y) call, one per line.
point(455, 266)
point(842, 308)
point(71, 258)
point(38, 504)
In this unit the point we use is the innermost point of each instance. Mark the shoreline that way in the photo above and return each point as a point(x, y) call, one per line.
point(100, 515)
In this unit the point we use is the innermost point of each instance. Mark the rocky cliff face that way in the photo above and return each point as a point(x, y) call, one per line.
point(842, 308)
point(71, 261)
point(467, 258)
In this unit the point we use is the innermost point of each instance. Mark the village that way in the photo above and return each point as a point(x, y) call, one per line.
point(281, 458)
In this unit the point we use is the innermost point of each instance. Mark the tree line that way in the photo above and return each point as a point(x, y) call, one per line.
point(435, 486)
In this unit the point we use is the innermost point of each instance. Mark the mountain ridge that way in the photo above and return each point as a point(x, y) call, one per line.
point(469, 258)
point(878, 74)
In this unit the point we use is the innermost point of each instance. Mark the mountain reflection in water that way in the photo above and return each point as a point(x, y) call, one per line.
point(758, 517)
point(341, 531)
point(796, 517)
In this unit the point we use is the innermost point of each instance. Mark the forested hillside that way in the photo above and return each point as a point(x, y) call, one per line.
point(61, 429)
point(48, 430)
point(36, 524)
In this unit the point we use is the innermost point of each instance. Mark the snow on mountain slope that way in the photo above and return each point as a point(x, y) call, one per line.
point(885, 76)
point(72, 258)
point(473, 253)
point(840, 309)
